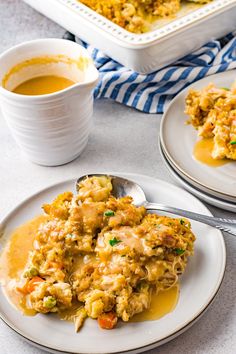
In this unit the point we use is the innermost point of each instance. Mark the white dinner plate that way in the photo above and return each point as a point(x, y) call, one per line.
point(178, 140)
point(198, 285)
point(195, 191)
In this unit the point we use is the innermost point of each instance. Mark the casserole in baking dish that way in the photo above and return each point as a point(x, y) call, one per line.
point(138, 16)
point(166, 41)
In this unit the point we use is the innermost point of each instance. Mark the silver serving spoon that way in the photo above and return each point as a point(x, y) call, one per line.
point(123, 187)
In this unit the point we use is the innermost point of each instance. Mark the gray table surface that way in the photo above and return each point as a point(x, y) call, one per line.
point(122, 140)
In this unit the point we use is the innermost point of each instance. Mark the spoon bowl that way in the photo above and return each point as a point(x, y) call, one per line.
point(122, 187)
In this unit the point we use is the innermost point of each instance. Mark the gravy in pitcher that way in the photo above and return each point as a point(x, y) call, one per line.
point(43, 85)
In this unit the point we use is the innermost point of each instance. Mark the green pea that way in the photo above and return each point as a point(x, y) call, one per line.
point(49, 302)
point(31, 272)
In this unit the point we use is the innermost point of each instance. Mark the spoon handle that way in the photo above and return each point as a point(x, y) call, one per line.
point(227, 225)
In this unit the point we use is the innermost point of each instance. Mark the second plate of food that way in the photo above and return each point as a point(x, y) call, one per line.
point(179, 140)
point(204, 271)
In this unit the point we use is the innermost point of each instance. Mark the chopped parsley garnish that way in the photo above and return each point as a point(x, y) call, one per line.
point(71, 237)
point(225, 88)
point(114, 241)
point(233, 142)
point(182, 222)
point(109, 213)
point(179, 251)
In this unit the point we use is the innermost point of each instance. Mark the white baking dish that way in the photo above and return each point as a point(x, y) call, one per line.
point(146, 52)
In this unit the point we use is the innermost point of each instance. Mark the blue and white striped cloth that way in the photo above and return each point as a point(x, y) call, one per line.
point(151, 93)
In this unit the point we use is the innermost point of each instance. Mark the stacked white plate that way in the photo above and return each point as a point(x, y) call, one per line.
point(215, 185)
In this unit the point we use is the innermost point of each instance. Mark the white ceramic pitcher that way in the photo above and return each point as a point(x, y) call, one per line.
point(51, 129)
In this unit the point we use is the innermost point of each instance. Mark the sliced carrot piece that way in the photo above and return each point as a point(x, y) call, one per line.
point(30, 285)
point(33, 283)
point(22, 290)
point(107, 320)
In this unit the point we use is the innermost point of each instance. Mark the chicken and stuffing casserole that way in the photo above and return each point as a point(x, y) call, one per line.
point(102, 254)
point(136, 15)
point(212, 111)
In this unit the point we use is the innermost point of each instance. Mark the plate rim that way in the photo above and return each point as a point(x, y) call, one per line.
point(146, 347)
point(164, 118)
point(184, 182)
